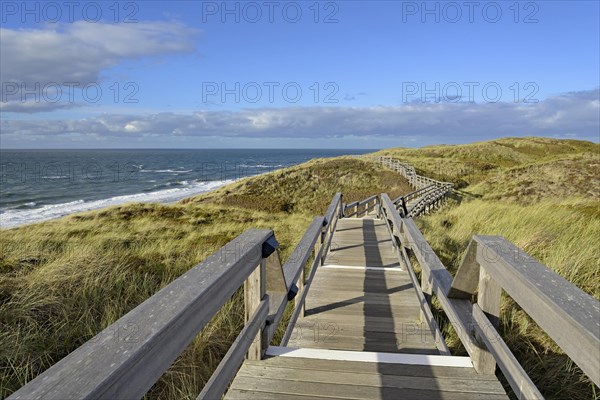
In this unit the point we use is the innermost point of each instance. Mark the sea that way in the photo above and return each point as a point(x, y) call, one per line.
point(38, 185)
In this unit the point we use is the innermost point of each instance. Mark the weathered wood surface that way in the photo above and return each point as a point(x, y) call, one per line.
point(362, 300)
point(568, 315)
point(229, 365)
point(362, 242)
point(283, 377)
point(302, 252)
point(151, 336)
point(254, 291)
point(300, 309)
point(516, 376)
point(373, 309)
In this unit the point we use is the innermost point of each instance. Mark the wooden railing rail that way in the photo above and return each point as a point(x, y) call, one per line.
point(128, 357)
point(429, 192)
point(316, 241)
point(408, 171)
point(413, 195)
point(568, 315)
point(335, 211)
point(395, 223)
point(435, 279)
point(402, 202)
point(360, 208)
point(429, 200)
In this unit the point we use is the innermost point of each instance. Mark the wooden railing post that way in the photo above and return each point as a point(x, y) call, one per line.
point(254, 290)
point(298, 299)
point(427, 291)
point(488, 299)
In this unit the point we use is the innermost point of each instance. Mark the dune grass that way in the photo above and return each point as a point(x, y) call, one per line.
point(63, 281)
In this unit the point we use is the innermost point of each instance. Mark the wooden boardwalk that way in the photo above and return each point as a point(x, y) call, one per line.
point(361, 336)
point(361, 326)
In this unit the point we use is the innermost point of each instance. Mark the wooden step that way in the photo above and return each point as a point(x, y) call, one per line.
point(283, 377)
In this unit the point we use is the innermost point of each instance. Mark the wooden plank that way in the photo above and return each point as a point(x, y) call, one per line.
point(375, 324)
point(106, 368)
point(379, 368)
point(466, 279)
point(356, 391)
point(387, 346)
point(372, 309)
point(489, 300)
point(405, 332)
point(254, 292)
point(516, 376)
point(409, 334)
point(361, 267)
point(229, 365)
point(368, 324)
point(364, 356)
point(243, 394)
point(373, 380)
point(569, 316)
point(340, 299)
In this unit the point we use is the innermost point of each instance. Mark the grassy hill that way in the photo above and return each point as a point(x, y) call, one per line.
point(63, 281)
point(541, 194)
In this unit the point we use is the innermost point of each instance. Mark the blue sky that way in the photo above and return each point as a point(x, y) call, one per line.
point(346, 74)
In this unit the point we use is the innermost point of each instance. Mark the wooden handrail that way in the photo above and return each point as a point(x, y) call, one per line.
point(159, 329)
point(408, 171)
point(362, 203)
point(414, 194)
point(334, 212)
point(567, 314)
point(435, 278)
point(299, 309)
point(429, 191)
point(393, 221)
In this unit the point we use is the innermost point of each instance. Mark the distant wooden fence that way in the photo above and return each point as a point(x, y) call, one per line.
point(428, 195)
point(408, 171)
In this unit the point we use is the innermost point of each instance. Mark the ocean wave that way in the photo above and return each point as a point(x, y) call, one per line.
point(171, 171)
point(11, 217)
point(260, 166)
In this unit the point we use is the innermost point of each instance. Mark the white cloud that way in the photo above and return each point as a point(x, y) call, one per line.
point(79, 52)
point(576, 113)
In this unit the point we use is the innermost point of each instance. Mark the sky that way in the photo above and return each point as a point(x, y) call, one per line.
point(296, 74)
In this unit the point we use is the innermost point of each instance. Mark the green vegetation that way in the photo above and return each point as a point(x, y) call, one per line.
point(63, 281)
point(542, 194)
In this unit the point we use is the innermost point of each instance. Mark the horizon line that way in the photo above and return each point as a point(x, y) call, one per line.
point(198, 148)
